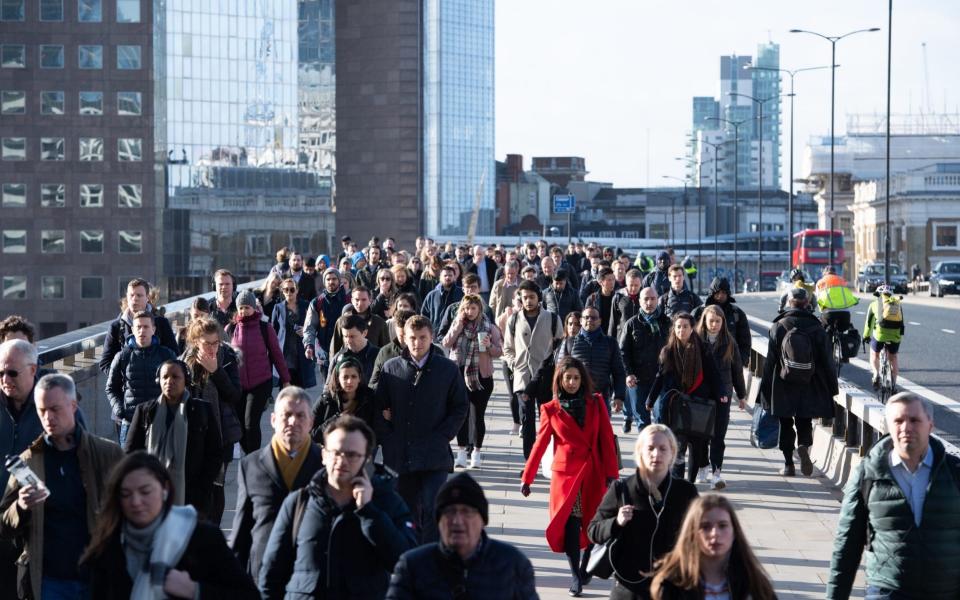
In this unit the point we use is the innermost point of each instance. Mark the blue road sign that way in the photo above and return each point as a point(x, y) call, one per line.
point(564, 204)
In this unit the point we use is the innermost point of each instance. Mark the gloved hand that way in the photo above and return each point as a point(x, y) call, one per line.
point(525, 489)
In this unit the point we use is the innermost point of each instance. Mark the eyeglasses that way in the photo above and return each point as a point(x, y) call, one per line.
point(347, 456)
point(11, 373)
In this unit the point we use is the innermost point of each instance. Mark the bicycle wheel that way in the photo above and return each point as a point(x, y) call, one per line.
point(837, 352)
point(886, 378)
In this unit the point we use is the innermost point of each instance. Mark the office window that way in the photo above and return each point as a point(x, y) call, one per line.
point(15, 287)
point(129, 149)
point(14, 241)
point(90, 11)
point(90, 57)
point(91, 103)
point(945, 236)
point(91, 195)
point(91, 149)
point(53, 195)
point(51, 10)
point(51, 287)
point(13, 102)
point(13, 56)
point(51, 56)
point(91, 242)
point(128, 11)
point(130, 195)
point(91, 288)
point(53, 241)
point(13, 148)
point(128, 57)
point(12, 10)
point(14, 195)
point(130, 242)
point(129, 103)
point(52, 149)
point(51, 103)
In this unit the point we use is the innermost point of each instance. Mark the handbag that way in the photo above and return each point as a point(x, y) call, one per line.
point(765, 429)
point(691, 416)
point(599, 564)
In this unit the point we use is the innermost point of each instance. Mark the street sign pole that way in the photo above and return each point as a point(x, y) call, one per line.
point(566, 204)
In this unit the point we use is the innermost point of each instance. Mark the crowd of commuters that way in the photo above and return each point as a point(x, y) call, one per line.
point(352, 497)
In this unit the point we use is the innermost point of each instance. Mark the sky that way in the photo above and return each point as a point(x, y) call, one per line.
point(613, 80)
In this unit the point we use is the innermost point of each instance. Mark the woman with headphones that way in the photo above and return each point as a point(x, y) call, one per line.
point(182, 432)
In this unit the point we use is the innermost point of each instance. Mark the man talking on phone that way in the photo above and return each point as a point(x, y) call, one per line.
point(340, 537)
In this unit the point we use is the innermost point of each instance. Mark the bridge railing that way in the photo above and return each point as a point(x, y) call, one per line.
point(77, 353)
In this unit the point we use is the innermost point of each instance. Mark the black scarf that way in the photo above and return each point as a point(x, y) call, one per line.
point(575, 405)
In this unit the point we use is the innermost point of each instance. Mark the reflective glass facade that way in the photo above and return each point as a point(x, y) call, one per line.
point(316, 85)
point(458, 116)
point(766, 84)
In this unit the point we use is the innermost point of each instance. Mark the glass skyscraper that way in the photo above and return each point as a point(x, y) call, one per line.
point(459, 177)
point(766, 84)
point(316, 85)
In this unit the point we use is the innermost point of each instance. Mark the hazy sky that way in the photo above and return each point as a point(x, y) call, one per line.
point(599, 79)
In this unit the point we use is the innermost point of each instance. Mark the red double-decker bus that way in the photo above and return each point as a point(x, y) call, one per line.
point(811, 251)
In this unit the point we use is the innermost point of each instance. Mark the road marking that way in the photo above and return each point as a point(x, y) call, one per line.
point(948, 331)
point(860, 312)
point(913, 323)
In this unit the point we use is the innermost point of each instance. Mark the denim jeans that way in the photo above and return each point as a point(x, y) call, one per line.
point(635, 407)
point(123, 429)
point(875, 593)
point(419, 490)
point(64, 589)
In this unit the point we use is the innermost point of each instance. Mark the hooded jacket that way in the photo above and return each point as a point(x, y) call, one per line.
point(132, 379)
point(640, 343)
point(121, 329)
point(737, 322)
point(659, 279)
point(322, 315)
point(260, 351)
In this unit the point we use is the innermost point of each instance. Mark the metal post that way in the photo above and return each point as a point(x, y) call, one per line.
point(685, 219)
point(886, 256)
point(760, 198)
point(790, 197)
point(569, 228)
point(736, 209)
point(700, 233)
point(833, 88)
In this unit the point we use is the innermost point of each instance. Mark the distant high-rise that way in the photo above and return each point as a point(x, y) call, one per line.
point(766, 84)
point(705, 108)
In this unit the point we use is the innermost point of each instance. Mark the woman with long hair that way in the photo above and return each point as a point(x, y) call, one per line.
point(386, 292)
point(473, 342)
point(346, 392)
point(430, 276)
point(715, 334)
point(138, 531)
point(270, 294)
point(405, 301)
point(584, 463)
point(287, 319)
point(711, 559)
point(643, 512)
point(404, 282)
point(686, 367)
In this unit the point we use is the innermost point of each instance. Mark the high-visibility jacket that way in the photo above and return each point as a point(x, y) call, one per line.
point(838, 297)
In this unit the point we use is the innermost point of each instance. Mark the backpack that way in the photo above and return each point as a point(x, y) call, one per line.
point(890, 313)
point(231, 327)
point(796, 356)
point(554, 323)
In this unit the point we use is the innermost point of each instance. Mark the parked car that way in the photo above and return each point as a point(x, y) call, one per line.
point(945, 278)
point(872, 275)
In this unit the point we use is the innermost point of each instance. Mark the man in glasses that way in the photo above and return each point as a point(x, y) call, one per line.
point(601, 355)
point(341, 535)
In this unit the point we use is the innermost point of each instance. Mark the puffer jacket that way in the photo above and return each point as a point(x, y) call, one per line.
point(340, 552)
point(920, 561)
point(259, 350)
point(736, 319)
point(562, 303)
point(603, 360)
point(222, 390)
point(132, 379)
point(497, 570)
point(685, 301)
point(640, 343)
point(121, 329)
point(659, 280)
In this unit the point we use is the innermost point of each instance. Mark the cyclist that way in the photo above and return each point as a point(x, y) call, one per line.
point(835, 300)
point(884, 328)
point(799, 281)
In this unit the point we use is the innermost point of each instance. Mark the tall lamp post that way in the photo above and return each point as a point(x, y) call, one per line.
point(759, 102)
point(684, 182)
point(736, 192)
point(886, 250)
point(833, 39)
point(792, 73)
point(716, 197)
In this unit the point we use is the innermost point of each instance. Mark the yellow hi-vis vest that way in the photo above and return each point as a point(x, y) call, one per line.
point(838, 297)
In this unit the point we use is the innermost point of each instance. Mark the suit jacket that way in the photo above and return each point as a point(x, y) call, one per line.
point(490, 265)
point(307, 287)
point(260, 492)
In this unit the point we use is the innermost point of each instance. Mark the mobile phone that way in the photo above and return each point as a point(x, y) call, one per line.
point(23, 473)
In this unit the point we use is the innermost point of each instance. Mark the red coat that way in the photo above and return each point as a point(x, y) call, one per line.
point(583, 460)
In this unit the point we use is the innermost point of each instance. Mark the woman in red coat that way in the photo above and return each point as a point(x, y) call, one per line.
point(584, 462)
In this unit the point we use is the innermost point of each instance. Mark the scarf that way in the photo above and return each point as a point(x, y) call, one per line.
point(686, 361)
point(591, 336)
point(289, 464)
point(151, 554)
point(468, 351)
point(574, 405)
point(652, 320)
point(712, 338)
point(169, 443)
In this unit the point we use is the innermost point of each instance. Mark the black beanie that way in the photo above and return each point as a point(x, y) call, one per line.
point(462, 489)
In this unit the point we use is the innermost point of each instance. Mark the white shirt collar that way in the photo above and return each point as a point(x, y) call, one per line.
point(927, 461)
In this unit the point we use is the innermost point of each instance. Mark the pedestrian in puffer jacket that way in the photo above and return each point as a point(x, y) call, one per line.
point(322, 315)
point(132, 379)
point(680, 298)
point(736, 319)
point(602, 357)
point(659, 279)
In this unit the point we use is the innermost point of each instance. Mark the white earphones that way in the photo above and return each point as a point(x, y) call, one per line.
point(166, 495)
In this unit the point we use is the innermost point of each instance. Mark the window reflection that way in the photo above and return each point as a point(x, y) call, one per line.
point(53, 195)
point(128, 11)
point(130, 195)
point(129, 103)
point(52, 241)
point(13, 56)
point(130, 242)
point(52, 149)
point(14, 241)
point(128, 57)
point(13, 102)
point(14, 195)
point(51, 103)
point(12, 10)
point(51, 10)
point(91, 103)
point(90, 57)
point(91, 241)
point(91, 195)
point(13, 148)
point(51, 57)
point(90, 11)
point(14, 287)
point(91, 149)
point(51, 287)
point(129, 149)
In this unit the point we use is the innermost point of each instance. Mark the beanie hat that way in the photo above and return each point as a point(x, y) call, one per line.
point(462, 489)
point(246, 298)
point(333, 270)
point(797, 293)
point(664, 255)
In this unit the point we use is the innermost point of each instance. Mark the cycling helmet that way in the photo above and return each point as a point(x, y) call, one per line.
point(687, 262)
point(797, 274)
point(829, 271)
point(883, 289)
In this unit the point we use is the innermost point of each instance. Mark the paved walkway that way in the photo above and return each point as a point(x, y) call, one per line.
point(789, 521)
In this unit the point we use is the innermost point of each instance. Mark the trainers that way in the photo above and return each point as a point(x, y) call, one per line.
point(718, 482)
point(788, 470)
point(516, 429)
point(806, 465)
point(475, 459)
point(703, 475)
point(876, 382)
point(627, 425)
point(461, 460)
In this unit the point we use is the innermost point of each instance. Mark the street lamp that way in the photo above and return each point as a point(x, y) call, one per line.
point(833, 39)
point(716, 201)
point(759, 102)
point(736, 192)
point(684, 182)
point(791, 73)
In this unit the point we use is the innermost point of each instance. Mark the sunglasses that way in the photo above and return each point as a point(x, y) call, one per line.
point(289, 289)
point(11, 373)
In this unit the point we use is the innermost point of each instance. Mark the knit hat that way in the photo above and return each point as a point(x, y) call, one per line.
point(333, 270)
point(462, 489)
point(664, 255)
point(246, 298)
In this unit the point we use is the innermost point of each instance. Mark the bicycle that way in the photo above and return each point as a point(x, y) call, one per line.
point(886, 378)
point(837, 344)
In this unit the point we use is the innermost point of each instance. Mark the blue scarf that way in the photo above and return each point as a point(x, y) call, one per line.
point(652, 320)
point(591, 336)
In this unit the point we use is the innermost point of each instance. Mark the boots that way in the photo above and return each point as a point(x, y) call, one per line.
point(571, 547)
point(576, 586)
point(584, 560)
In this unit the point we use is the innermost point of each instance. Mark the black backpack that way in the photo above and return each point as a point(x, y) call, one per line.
point(796, 356)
